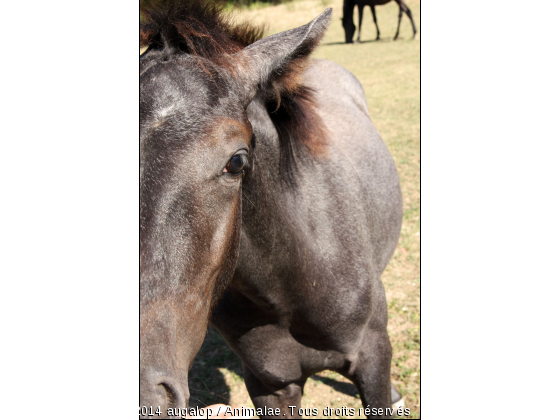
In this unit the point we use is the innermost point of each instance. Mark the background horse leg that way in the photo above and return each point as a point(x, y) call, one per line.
point(409, 14)
point(401, 4)
point(360, 15)
point(375, 21)
point(371, 373)
point(282, 398)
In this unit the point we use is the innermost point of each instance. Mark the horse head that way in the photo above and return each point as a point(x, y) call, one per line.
point(195, 150)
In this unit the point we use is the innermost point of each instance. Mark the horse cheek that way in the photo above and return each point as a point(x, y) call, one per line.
point(231, 253)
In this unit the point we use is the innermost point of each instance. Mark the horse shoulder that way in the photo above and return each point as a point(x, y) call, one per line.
point(366, 172)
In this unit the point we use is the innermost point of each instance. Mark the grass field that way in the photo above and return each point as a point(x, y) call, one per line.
point(390, 73)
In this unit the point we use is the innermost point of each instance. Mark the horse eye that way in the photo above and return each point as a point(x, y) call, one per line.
point(236, 164)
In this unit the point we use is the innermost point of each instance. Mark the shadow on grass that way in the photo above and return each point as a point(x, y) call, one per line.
point(344, 43)
point(206, 383)
point(342, 387)
point(367, 41)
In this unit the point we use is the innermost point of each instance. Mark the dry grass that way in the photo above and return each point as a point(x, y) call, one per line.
point(390, 74)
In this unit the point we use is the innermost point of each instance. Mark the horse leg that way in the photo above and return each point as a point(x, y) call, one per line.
point(375, 21)
point(360, 15)
point(272, 397)
point(401, 4)
point(409, 14)
point(371, 373)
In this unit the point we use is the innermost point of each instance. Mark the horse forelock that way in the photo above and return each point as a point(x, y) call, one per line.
point(201, 28)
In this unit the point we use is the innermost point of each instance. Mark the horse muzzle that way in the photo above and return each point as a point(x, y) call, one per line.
point(161, 393)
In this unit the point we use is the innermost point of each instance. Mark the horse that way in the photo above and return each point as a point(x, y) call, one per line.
point(348, 20)
point(269, 207)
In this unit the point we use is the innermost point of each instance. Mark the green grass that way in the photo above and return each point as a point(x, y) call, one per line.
point(390, 74)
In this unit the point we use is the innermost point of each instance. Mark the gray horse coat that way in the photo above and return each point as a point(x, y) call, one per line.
point(282, 245)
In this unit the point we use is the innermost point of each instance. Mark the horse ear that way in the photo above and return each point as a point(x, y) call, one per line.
point(270, 58)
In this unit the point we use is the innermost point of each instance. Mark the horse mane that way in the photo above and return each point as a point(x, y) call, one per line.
point(203, 29)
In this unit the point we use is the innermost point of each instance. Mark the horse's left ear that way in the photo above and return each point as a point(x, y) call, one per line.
point(269, 58)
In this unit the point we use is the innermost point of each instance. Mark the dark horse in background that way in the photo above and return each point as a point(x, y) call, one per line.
point(348, 17)
point(268, 203)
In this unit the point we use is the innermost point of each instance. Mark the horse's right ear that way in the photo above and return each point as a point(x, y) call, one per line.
point(269, 58)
